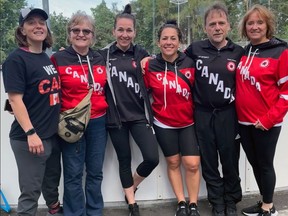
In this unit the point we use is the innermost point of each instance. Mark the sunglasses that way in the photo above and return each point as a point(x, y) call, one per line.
point(84, 31)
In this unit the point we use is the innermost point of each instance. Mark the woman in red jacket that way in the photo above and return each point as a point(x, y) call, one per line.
point(75, 64)
point(169, 77)
point(261, 100)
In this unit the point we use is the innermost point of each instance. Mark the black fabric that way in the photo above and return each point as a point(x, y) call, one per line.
point(113, 115)
point(215, 72)
point(260, 147)
point(147, 143)
point(34, 76)
point(216, 132)
point(181, 141)
point(123, 75)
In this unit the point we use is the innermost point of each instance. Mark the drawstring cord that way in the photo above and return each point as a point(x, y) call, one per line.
point(165, 82)
point(245, 67)
point(89, 69)
point(178, 89)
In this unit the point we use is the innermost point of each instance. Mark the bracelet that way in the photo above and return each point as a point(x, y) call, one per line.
point(30, 132)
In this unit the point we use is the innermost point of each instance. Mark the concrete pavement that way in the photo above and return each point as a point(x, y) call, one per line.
point(167, 208)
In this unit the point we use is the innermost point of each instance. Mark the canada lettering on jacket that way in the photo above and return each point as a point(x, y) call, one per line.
point(75, 74)
point(83, 78)
point(213, 79)
point(173, 85)
point(245, 73)
point(122, 76)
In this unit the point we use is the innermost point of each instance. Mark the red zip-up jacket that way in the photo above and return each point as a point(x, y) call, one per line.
point(262, 84)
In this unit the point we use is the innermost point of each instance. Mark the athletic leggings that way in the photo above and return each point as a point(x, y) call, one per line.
point(147, 143)
point(260, 147)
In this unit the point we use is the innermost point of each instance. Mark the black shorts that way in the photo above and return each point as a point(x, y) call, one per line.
point(177, 141)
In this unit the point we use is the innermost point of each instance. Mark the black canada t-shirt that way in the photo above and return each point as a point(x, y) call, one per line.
point(34, 76)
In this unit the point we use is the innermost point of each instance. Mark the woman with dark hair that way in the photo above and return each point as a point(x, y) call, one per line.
point(170, 77)
point(33, 87)
point(76, 64)
point(261, 100)
point(129, 107)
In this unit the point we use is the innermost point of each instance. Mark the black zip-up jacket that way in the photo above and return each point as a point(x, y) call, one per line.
point(215, 73)
point(113, 116)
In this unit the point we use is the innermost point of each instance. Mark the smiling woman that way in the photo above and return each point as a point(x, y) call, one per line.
point(127, 99)
point(261, 78)
point(81, 68)
point(33, 88)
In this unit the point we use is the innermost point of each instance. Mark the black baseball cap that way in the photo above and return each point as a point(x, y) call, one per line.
point(26, 12)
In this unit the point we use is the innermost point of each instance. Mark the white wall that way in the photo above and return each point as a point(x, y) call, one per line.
point(155, 187)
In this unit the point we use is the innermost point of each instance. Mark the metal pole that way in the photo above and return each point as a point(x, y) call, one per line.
point(189, 31)
point(178, 2)
point(45, 5)
point(178, 14)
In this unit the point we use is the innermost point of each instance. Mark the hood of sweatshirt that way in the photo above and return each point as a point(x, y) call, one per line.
point(253, 49)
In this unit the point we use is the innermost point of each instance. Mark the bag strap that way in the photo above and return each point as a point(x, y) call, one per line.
point(90, 74)
point(179, 74)
point(85, 99)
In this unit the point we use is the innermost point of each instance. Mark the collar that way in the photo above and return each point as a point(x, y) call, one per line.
point(115, 49)
point(208, 45)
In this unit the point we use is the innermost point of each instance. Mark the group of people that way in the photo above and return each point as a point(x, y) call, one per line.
point(192, 116)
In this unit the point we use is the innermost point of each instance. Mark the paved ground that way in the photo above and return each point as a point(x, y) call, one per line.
point(167, 208)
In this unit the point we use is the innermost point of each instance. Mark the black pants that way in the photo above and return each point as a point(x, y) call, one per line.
point(147, 143)
point(216, 131)
point(260, 147)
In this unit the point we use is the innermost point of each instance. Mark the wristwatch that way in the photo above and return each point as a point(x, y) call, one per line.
point(30, 132)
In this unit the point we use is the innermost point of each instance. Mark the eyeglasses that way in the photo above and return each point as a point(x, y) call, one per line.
point(84, 31)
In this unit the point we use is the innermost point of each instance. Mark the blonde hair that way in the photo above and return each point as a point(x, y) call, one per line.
point(78, 18)
point(265, 14)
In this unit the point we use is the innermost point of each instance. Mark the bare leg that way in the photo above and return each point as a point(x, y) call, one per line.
point(191, 165)
point(130, 192)
point(137, 180)
point(267, 206)
point(175, 176)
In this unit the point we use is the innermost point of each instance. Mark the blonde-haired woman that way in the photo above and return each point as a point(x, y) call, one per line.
point(73, 64)
point(261, 100)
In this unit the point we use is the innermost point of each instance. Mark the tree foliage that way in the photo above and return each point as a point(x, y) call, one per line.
point(9, 15)
point(58, 27)
point(104, 24)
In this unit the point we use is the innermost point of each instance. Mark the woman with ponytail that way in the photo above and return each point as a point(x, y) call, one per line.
point(170, 77)
point(129, 108)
